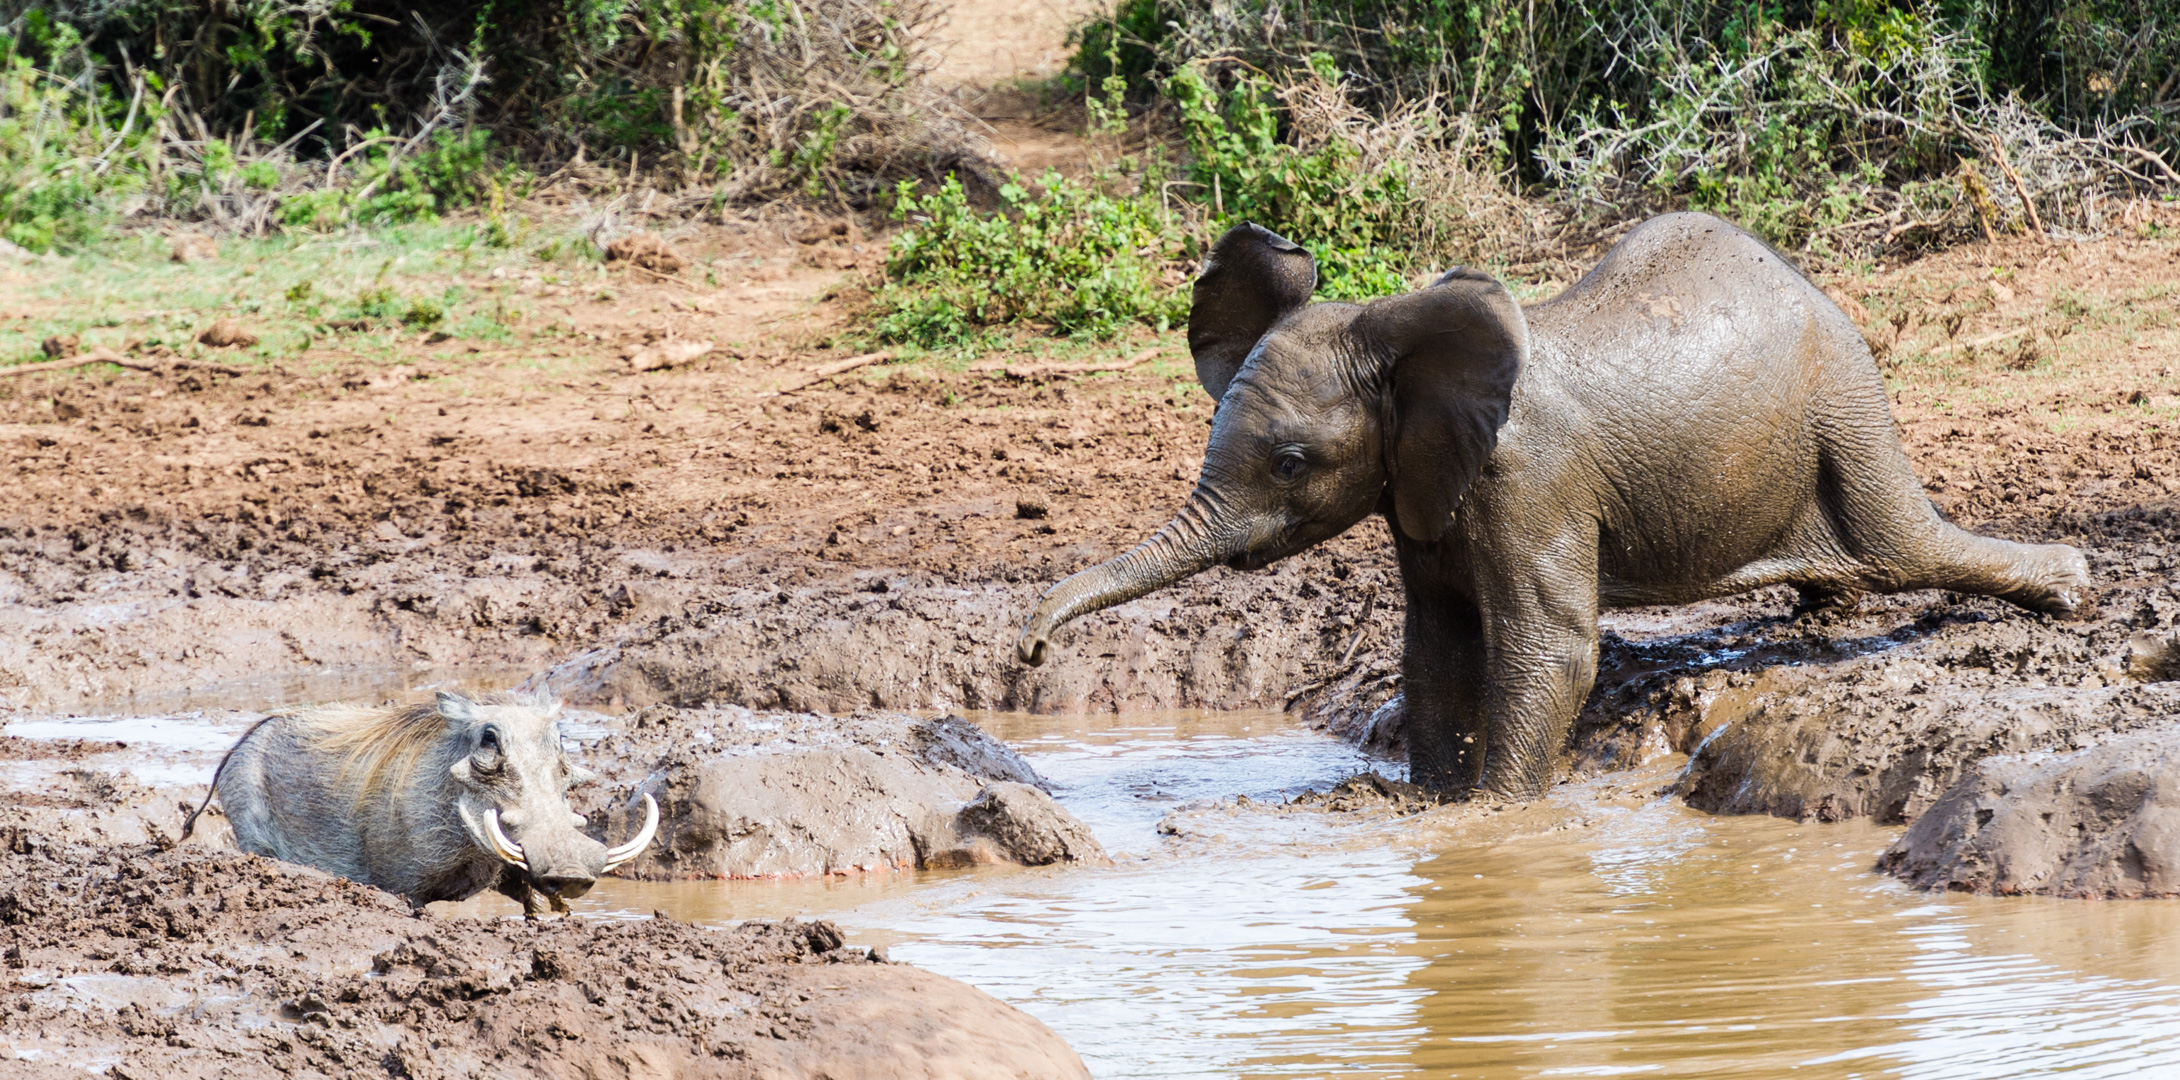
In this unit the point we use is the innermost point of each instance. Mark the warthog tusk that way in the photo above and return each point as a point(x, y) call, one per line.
point(615, 857)
point(506, 849)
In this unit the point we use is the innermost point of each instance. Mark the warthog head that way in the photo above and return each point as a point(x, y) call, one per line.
point(512, 795)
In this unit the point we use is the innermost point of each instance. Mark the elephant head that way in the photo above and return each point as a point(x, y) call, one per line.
point(1325, 413)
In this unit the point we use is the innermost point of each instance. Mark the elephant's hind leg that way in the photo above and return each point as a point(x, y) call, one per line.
point(1888, 526)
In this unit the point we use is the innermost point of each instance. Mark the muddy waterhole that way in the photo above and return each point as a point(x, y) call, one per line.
point(1605, 931)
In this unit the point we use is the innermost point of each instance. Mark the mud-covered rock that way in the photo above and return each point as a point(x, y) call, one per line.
point(193, 964)
point(1028, 826)
point(745, 794)
point(2102, 822)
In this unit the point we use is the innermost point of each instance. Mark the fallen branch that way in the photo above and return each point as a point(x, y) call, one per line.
point(818, 375)
point(95, 356)
point(667, 277)
point(1058, 371)
point(1998, 150)
point(1347, 659)
point(1979, 342)
point(1370, 603)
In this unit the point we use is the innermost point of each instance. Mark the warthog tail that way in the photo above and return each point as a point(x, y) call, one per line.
point(190, 825)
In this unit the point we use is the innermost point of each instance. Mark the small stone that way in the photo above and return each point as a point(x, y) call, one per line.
point(194, 247)
point(666, 354)
point(1031, 509)
point(225, 333)
point(60, 346)
point(646, 250)
point(2153, 657)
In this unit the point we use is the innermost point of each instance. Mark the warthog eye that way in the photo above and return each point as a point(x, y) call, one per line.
point(488, 747)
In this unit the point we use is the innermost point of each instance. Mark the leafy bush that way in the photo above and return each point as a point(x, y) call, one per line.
point(1821, 123)
point(760, 97)
point(1068, 258)
point(1361, 220)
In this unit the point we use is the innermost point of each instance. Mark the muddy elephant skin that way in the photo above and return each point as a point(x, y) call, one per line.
point(1691, 419)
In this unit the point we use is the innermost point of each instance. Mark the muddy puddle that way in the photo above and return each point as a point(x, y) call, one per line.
point(1603, 932)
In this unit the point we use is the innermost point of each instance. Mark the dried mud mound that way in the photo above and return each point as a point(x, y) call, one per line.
point(2103, 822)
point(182, 964)
point(745, 794)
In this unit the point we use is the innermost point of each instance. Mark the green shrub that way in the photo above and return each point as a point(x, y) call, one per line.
point(763, 97)
point(1067, 257)
point(1819, 123)
point(1362, 224)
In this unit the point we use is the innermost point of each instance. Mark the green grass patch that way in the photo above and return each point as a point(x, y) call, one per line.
point(373, 293)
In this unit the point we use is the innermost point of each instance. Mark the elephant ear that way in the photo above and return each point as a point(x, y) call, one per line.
point(1253, 278)
point(1455, 349)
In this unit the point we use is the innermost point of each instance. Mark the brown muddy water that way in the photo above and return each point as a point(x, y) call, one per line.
point(1602, 932)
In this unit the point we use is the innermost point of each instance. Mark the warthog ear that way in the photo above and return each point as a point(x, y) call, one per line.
point(1455, 350)
point(456, 709)
point(542, 698)
point(1253, 278)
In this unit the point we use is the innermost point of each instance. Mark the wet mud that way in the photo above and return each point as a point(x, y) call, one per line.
point(745, 795)
point(714, 565)
point(2101, 822)
point(181, 963)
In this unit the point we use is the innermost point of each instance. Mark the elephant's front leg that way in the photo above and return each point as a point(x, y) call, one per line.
point(1443, 676)
point(1540, 634)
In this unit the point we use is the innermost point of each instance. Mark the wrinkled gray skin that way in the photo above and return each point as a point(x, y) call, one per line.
point(1692, 419)
point(424, 839)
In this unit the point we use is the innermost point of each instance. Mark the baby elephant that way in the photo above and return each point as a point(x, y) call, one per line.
point(434, 802)
point(1691, 419)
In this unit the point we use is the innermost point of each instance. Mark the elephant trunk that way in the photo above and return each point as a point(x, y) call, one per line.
point(1203, 534)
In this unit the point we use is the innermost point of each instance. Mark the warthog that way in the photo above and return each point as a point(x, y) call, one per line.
point(434, 802)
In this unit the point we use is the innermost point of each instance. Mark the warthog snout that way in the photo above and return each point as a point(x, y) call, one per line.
point(560, 861)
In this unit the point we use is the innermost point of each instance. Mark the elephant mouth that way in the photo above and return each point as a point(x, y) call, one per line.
point(1290, 540)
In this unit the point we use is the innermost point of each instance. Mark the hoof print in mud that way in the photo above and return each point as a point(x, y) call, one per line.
point(2101, 823)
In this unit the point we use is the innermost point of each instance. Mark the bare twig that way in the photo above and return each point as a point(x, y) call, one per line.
point(1987, 339)
point(1057, 371)
point(1998, 151)
point(818, 375)
point(1370, 603)
point(667, 277)
point(95, 356)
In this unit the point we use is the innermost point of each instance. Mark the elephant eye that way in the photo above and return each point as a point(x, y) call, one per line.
point(1288, 465)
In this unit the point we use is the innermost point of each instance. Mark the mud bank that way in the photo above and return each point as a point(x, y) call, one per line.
point(745, 794)
point(2101, 822)
point(1222, 640)
point(182, 963)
